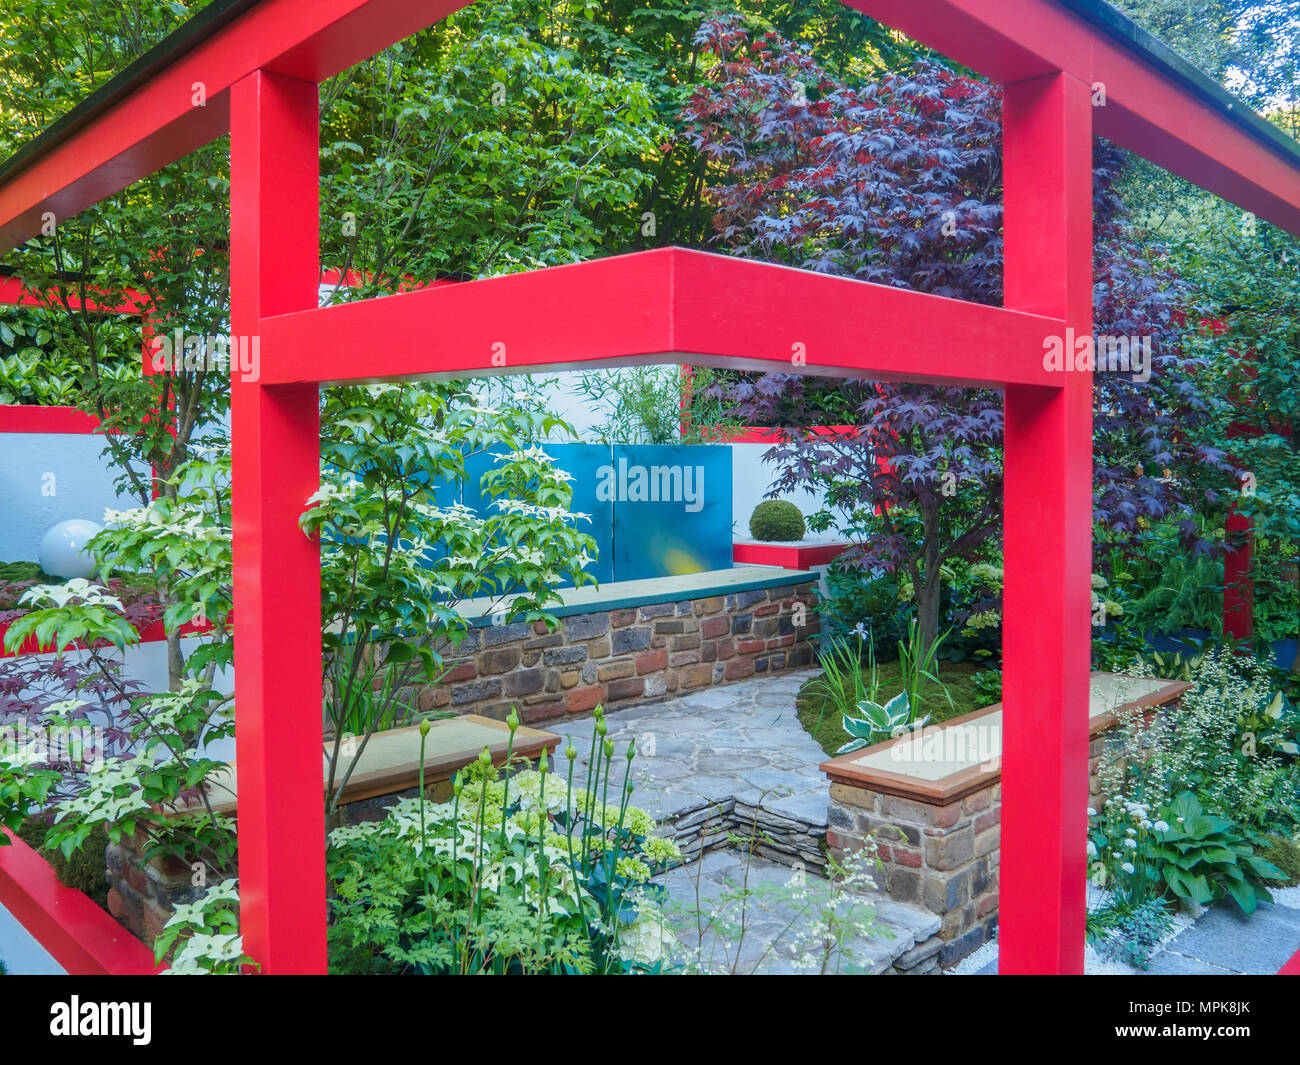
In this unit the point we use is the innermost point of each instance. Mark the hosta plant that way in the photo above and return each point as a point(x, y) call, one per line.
point(1204, 858)
point(874, 722)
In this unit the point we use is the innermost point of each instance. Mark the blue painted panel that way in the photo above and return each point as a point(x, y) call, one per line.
point(672, 508)
point(580, 461)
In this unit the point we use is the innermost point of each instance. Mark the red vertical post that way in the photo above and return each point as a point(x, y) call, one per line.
point(1047, 507)
point(275, 444)
point(1238, 589)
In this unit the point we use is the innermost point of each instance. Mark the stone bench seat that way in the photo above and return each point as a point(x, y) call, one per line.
point(390, 762)
point(931, 803)
point(971, 744)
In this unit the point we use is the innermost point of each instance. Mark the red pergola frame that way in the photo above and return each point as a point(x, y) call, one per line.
point(261, 70)
point(33, 418)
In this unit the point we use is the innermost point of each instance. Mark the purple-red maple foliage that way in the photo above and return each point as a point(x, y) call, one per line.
point(899, 183)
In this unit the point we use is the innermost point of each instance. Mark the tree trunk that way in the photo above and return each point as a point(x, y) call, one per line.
point(930, 590)
point(175, 660)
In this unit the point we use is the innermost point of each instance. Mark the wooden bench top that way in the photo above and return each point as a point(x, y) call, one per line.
point(944, 762)
point(391, 760)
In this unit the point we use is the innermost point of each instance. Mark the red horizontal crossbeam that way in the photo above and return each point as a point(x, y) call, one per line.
point(663, 306)
point(81, 937)
point(32, 418)
point(787, 556)
point(153, 632)
point(14, 293)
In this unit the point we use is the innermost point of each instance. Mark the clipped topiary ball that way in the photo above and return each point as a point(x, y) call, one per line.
point(776, 519)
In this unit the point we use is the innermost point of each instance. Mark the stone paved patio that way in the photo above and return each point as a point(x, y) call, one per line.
point(715, 762)
point(718, 764)
point(731, 763)
point(1220, 942)
point(712, 897)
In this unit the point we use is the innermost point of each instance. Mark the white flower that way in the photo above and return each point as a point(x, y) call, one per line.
point(1127, 867)
point(1161, 826)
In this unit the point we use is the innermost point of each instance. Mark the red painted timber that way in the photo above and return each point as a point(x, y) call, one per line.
point(29, 418)
point(275, 457)
point(663, 306)
point(1047, 510)
point(787, 556)
point(81, 937)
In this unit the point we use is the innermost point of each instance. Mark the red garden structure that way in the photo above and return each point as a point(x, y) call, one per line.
point(1071, 69)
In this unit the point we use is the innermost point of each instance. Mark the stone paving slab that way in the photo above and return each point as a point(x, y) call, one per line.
point(733, 759)
point(713, 896)
point(1223, 938)
point(730, 763)
point(1222, 941)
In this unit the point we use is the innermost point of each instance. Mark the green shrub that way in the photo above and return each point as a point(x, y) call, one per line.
point(777, 519)
point(1189, 596)
point(988, 682)
point(533, 872)
point(1285, 854)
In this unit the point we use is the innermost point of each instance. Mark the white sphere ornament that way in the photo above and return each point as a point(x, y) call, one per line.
point(62, 552)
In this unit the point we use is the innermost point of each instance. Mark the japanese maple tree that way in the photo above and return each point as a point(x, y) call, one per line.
point(899, 182)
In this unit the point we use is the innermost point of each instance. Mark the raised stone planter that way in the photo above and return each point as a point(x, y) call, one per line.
point(932, 803)
point(144, 893)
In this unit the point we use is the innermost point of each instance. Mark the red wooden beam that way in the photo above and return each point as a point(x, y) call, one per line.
point(275, 455)
point(80, 936)
point(30, 418)
point(1238, 588)
point(729, 312)
point(787, 556)
point(669, 305)
point(1047, 511)
point(14, 293)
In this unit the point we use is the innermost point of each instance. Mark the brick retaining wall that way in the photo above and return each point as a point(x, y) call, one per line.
point(626, 655)
point(944, 857)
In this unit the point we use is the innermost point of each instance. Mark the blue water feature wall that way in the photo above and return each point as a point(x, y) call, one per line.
point(655, 509)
